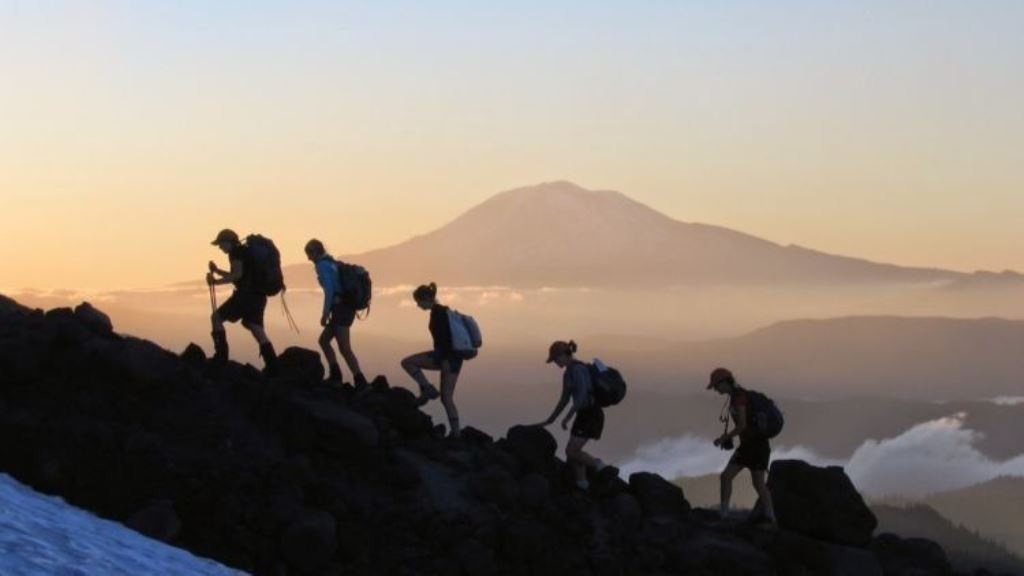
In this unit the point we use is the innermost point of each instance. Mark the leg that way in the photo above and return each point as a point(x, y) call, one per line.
point(333, 370)
point(759, 477)
point(343, 334)
point(579, 460)
point(728, 475)
point(257, 331)
point(448, 381)
point(414, 366)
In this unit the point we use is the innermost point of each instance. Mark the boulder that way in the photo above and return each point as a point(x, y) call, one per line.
point(300, 366)
point(311, 541)
point(822, 558)
point(534, 447)
point(194, 356)
point(96, 321)
point(338, 429)
point(910, 556)
point(720, 555)
point(821, 503)
point(158, 521)
point(658, 496)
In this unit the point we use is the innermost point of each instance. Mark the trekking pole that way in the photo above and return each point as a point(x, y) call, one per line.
point(288, 314)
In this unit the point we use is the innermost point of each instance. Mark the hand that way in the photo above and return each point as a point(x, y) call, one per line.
point(209, 278)
point(720, 440)
point(325, 320)
point(213, 267)
point(565, 424)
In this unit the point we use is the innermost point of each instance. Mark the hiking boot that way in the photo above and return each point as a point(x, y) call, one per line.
point(360, 381)
point(269, 359)
point(220, 350)
point(334, 374)
point(427, 393)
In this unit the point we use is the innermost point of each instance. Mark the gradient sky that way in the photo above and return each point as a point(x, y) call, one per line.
point(131, 131)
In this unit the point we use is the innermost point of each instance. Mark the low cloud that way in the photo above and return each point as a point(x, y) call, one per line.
point(935, 456)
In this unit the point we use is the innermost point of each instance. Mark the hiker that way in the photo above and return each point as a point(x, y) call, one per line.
point(247, 303)
point(578, 386)
point(450, 351)
point(754, 451)
point(339, 313)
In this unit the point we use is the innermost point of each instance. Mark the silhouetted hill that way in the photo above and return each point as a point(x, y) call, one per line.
point(559, 234)
point(994, 509)
point(921, 358)
point(967, 549)
point(293, 476)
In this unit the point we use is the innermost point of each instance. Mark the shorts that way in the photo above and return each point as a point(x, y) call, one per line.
point(753, 453)
point(589, 423)
point(342, 316)
point(454, 362)
point(245, 306)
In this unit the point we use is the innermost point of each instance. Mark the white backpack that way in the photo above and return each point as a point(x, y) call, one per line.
point(466, 336)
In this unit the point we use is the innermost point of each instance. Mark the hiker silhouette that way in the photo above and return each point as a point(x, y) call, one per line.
point(744, 408)
point(586, 414)
point(341, 306)
point(456, 338)
point(252, 281)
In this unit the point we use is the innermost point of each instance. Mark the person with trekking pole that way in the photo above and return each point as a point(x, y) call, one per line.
point(342, 302)
point(251, 273)
point(756, 420)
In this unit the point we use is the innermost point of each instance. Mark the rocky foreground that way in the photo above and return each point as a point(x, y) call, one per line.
point(292, 476)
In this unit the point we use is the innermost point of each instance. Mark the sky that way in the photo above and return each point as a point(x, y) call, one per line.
point(131, 132)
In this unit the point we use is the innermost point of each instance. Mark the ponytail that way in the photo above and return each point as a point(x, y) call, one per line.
point(426, 292)
point(573, 347)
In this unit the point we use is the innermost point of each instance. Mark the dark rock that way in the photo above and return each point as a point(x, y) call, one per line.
point(194, 356)
point(93, 319)
point(658, 496)
point(496, 485)
point(339, 429)
point(820, 502)
point(311, 541)
point(534, 447)
point(300, 367)
point(910, 556)
point(721, 556)
point(534, 490)
point(626, 510)
point(158, 521)
point(817, 557)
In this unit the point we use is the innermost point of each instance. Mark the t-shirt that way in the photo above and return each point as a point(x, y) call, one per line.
point(441, 330)
point(241, 253)
point(330, 280)
point(577, 380)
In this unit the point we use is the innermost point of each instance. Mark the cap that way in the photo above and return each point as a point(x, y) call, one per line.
point(558, 349)
point(225, 235)
point(721, 376)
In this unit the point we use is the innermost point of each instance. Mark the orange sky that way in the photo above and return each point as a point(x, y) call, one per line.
point(132, 132)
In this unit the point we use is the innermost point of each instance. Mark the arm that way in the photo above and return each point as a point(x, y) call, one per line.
point(325, 276)
point(237, 269)
point(581, 389)
point(740, 420)
point(562, 403)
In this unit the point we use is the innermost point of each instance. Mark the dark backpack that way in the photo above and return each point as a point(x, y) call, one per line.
point(356, 286)
point(764, 416)
point(266, 276)
point(608, 385)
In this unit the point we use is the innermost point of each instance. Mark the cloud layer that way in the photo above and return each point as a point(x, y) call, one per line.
point(935, 456)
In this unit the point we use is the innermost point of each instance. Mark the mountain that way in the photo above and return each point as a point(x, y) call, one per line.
point(559, 234)
point(922, 358)
point(967, 549)
point(983, 508)
point(292, 475)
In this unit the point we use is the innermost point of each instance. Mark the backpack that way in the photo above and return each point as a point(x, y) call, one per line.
point(466, 336)
point(765, 417)
point(356, 286)
point(266, 276)
point(608, 385)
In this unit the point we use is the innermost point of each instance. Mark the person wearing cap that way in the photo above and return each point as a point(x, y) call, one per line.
point(754, 451)
point(246, 304)
point(442, 358)
point(586, 416)
point(337, 318)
